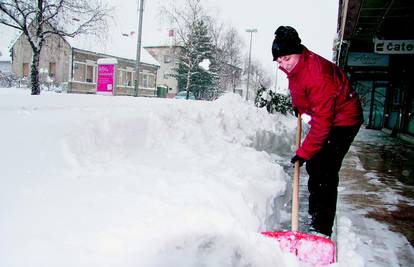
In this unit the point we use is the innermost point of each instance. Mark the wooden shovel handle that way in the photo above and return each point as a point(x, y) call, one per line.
point(295, 194)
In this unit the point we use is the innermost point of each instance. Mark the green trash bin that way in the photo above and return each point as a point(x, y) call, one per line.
point(162, 91)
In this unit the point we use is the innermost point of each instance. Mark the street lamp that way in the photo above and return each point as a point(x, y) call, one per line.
point(251, 31)
point(138, 59)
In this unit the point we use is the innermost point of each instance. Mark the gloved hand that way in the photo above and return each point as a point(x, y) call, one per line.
point(296, 158)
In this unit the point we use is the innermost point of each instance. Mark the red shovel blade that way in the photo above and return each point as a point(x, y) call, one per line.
point(312, 249)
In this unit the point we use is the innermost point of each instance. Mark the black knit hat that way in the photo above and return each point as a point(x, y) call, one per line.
point(286, 42)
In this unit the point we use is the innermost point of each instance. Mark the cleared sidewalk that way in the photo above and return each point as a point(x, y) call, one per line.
point(376, 193)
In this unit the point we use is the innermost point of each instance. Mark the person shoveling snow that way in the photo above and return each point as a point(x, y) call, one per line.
point(321, 90)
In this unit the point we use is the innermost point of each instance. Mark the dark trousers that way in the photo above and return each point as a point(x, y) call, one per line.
point(323, 169)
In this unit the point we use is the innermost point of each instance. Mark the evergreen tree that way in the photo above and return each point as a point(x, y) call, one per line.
point(190, 75)
point(261, 97)
point(216, 69)
point(200, 38)
point(273, 102)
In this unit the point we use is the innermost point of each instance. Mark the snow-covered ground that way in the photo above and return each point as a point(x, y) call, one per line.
point(89, 180)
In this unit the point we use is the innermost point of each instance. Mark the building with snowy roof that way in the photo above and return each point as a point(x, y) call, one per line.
point(74, 61)
point(168, 57)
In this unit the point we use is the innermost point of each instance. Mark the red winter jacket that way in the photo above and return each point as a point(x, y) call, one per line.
point(320, 89)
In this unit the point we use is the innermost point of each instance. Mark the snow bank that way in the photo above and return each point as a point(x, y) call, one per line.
point(119, 181)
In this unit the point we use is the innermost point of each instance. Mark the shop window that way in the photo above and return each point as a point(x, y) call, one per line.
point(397, 98)
point(410, 123)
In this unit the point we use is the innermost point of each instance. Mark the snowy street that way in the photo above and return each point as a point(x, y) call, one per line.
point(89, 180)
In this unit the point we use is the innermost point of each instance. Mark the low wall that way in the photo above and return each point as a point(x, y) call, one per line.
point(90, 88)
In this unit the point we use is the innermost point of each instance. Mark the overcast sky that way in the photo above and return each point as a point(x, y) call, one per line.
point(314, 20)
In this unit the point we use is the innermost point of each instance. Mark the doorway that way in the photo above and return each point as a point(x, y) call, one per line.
point(372, 94)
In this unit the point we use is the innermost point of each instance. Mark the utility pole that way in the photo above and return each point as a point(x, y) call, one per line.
point(251, 31)
point(138, 59)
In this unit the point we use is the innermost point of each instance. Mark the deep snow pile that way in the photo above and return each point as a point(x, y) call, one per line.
point(117, 181)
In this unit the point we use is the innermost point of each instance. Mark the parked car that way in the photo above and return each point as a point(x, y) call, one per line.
point(183, 95)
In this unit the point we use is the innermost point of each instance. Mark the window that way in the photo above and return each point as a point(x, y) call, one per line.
point(128, 78)
point(25, 69)
point(89, 73)
point(52, 69)
point(167, 58)
point(83, 72)
point(125, 77)
point(151, 81)
point(144, 80)
point(79, 72)
point(166, 76)
point(147, 80)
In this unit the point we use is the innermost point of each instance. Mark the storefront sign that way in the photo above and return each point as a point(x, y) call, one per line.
point(360, 59)
point(106, 76)
point(394, 46)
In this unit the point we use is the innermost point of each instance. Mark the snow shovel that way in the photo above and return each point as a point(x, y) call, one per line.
point(312, 249)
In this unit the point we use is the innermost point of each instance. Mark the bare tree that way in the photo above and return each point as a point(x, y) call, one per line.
point(228, 45)
point(259, 77)
point(39, 19)
point(216, 29)
point(232, 56)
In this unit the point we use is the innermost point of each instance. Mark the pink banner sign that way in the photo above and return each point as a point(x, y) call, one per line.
point(106, 79)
